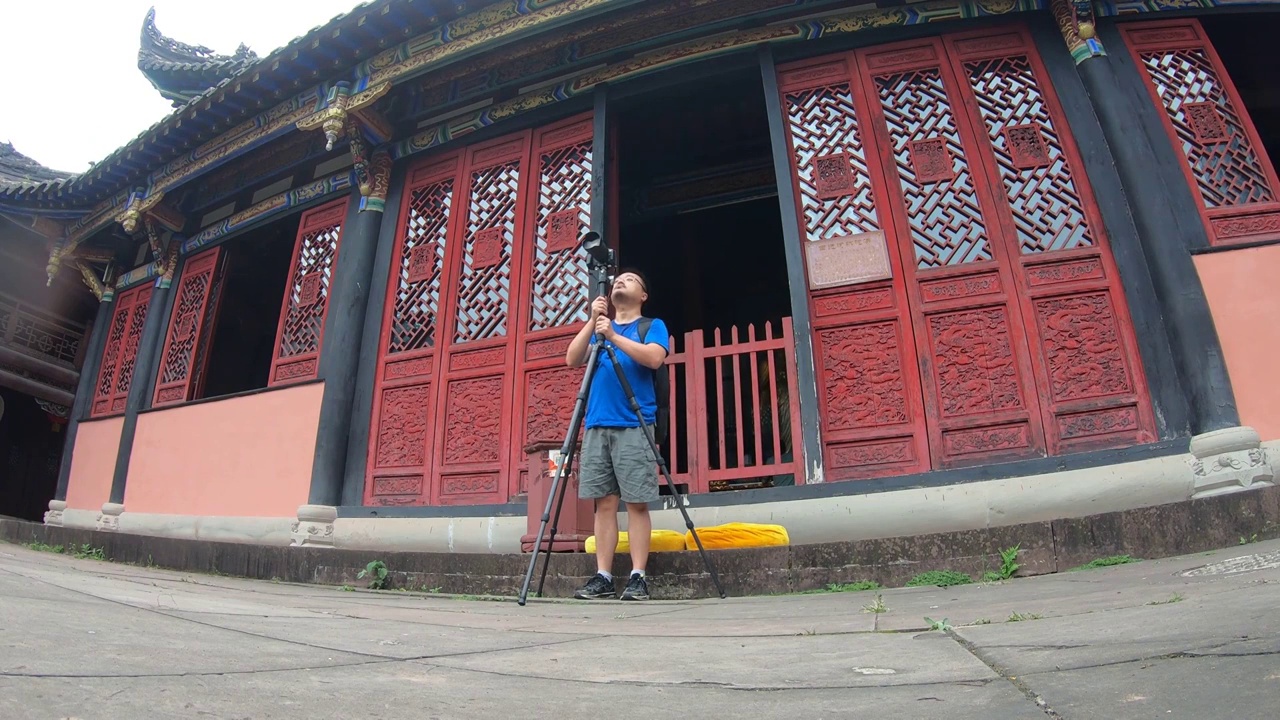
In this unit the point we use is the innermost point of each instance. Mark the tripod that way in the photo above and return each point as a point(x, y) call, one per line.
point(600, 263)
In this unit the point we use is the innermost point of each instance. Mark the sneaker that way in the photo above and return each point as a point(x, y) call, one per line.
point(597, 587)
point(637, 589)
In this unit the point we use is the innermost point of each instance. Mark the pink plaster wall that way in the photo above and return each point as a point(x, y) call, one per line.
point(247, 457)
point(1244, 296)
point(93, 463)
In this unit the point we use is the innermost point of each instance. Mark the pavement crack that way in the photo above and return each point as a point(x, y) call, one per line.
point(1004, 672)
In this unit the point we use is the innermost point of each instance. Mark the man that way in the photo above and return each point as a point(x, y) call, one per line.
point(616, 459)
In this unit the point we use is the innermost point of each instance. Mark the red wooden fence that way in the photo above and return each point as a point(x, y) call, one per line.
point(733, 414)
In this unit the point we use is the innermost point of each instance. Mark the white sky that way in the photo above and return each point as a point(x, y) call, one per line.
point(75, 93)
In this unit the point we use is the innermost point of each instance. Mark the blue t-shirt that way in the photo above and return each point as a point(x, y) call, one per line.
point(607, 404)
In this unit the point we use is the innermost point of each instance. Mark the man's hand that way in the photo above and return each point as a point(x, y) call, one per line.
point(604, 327)
point(599, 308)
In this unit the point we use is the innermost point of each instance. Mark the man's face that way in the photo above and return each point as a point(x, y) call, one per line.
point(629, 289)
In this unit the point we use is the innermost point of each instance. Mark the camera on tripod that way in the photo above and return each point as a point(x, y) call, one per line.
point(602, 262)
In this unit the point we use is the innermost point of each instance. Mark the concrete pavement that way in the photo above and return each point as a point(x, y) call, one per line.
point(88, 639)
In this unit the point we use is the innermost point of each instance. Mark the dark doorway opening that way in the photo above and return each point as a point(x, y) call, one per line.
point(253, 281)
point(698, 214)
point(30, 455)
point(1242, 41)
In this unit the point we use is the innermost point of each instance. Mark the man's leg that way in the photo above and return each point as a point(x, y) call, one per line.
point(597, 481)
point(636, 469)
point(607, 533)
point(639, 532)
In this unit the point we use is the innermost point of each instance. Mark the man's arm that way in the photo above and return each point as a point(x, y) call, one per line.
point(650, 354)
point(576, 355)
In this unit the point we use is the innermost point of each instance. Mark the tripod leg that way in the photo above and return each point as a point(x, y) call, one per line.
point(567, 463)
point(579, 410)
point(662, 464)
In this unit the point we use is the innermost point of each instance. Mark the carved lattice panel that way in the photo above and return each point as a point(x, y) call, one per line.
point(1209, 127)
point(560, 281)
point(942, 209)
point(120, 355)
point(417, 299)
point(1224, 159)
point(835, 188)
point(484, 288)
point(111, 353)
point(1037, 179)
point(186, 328)
point(306, 297)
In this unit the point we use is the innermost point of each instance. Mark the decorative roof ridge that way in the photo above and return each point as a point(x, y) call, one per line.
point(72, 182)
point(19, 169)
point(181, 71)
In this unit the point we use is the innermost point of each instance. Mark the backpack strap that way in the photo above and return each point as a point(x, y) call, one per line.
point(643, 328)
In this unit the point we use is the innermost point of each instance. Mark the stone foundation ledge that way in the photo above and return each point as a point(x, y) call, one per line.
point(1223, 462)
point(1178, 528)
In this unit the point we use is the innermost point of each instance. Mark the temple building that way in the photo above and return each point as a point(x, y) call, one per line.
point(927, 267)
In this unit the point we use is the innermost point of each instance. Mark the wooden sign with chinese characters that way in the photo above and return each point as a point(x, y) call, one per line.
point(848, 260)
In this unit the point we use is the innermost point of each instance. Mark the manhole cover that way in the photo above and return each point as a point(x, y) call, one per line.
point(1247, 563)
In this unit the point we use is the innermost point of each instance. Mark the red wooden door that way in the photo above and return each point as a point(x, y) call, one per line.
point(475, 395)
point(1223, 157)
point(1093, 391)
point(401, 441)
point(981, 403)
point(1004, 310)
point(870, 397)
point(553, 285)
point(306, 297)
point(186, 346)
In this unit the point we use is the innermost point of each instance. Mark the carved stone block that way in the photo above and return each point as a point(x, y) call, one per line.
point(53, 516)
point(109, 518)
point(314, 526)
point(1229, 460)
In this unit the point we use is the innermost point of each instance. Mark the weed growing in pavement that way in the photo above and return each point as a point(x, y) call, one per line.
point(1019, 617)
point(941, 578)
point(377, 573)
point(876, 607)
point(1106, 562)
point(1177, 597)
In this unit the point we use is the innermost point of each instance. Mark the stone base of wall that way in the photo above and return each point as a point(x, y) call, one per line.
point(1178, 528)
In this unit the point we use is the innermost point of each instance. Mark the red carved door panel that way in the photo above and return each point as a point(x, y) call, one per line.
point(1089, 376)
point(186, 346)
point(966, 305)
point(475, 398)
point(401, 442)
point(980, 398)
point(555, 283)
point(1223, 157)
point(115, 377)
point(306, 297)
point(864, 347)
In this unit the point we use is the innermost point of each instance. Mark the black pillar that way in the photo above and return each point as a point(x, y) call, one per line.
point(806, 384)
point(369, 339)
point(340, 355)
point(140, 386)
point(1168, 225)
point(85, 388)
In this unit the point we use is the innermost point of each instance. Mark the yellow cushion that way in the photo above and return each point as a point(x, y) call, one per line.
point(659, 541)
point(738, 535)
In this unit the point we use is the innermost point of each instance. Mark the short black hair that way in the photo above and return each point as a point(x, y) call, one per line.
point(644, 281)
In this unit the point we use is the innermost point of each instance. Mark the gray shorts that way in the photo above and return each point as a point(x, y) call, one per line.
point(618, 461)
